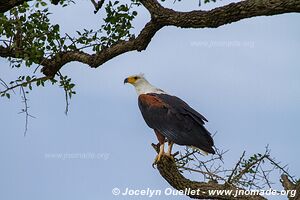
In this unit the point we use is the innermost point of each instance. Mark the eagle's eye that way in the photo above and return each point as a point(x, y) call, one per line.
point(136, 78)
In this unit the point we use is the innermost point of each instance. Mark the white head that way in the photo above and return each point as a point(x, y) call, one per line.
point(142, 86)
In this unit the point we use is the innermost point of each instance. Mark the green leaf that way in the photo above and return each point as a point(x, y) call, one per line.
point(43, 3)
point(28, 78)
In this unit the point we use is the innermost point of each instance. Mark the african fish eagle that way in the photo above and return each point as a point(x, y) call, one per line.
point(170, 118)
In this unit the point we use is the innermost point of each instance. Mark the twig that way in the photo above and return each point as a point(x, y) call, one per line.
point(281, 168)
point(23, 84)
point(98, 5)
point(246, 169)
point(3, 83)
point(66, 94)
point(25, 110)
point(203, 172)
point(235, 168)
point(186, 156)
point(265, 176)
point(67, 102)
point(256, 171)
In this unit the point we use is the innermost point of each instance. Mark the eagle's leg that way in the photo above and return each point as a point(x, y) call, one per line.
point(161, 152)
point(170, 145)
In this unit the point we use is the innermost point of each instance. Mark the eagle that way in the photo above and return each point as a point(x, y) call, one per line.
point(172, 119)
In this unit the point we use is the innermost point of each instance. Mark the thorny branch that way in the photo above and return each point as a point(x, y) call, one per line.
point(235, 168)
point(245, 175)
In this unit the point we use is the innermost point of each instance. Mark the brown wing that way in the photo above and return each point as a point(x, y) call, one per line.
point(176, 120)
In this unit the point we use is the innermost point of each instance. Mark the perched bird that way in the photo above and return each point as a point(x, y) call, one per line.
point(170, 118)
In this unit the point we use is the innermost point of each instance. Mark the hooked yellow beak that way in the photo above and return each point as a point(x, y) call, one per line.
point(130, 79)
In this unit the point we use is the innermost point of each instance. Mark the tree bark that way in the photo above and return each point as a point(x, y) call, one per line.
point(289, 185)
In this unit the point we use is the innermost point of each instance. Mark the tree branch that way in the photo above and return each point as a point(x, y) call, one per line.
point(289, 185)
point(235, 168)
point(220, 188)
point(95, 60)
point(169, 171)
point(6, 5)
point(23, 84)
point(222, 15)
point(161, 17)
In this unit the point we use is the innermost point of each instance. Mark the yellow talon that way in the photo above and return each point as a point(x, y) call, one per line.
point(160, 154)
point(170, 145)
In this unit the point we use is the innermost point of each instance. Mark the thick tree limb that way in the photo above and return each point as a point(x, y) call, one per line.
point(95, 60)
point(223, 15)
point(161, 17)
point(168, 170)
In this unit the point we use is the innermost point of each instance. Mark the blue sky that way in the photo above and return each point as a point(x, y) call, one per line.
point(244, 77)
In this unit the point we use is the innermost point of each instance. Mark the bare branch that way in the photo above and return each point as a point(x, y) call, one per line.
point(277, 165)
point(25, 109)
point(203, 172)
point(235, 168)
point(265, 176)
point(185, 156)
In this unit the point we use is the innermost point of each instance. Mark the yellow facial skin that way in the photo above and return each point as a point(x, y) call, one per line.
point(131, 79)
